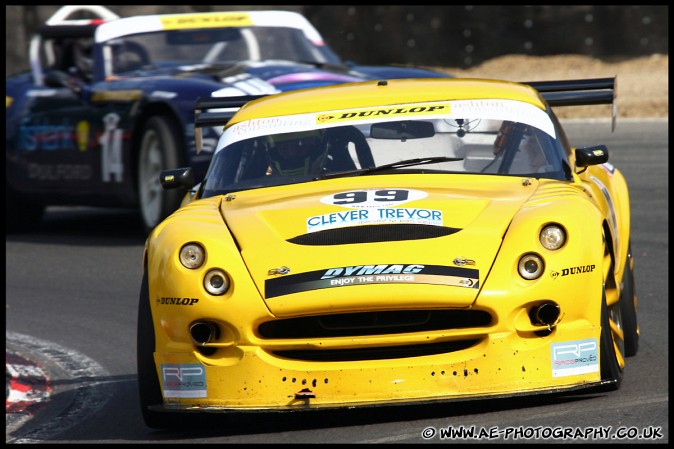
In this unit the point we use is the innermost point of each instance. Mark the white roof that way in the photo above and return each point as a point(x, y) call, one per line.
point(149, 23)
point(61, 17)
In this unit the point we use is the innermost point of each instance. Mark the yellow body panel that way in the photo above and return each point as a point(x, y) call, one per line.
point(504, 357)
point(280, 344)
point(360, 95)
point(501, 364)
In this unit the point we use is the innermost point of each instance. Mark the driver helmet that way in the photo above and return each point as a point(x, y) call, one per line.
point(292, 153)
point(83, 55)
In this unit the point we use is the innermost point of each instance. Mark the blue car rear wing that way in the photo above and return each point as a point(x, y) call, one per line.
point(582, 92)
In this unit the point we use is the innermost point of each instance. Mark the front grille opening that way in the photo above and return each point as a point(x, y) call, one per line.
point(373, 323)
point(372, 234)
point(379, 353)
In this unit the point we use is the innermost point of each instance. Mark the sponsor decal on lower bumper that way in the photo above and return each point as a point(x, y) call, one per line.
point(183, 381)
point(575, 357)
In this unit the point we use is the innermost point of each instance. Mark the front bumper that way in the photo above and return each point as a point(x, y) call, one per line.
point(248, 378)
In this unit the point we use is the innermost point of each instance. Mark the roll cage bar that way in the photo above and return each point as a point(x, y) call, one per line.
point(62, 25)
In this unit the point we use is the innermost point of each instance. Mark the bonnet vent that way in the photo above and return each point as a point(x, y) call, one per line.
point(372, 234)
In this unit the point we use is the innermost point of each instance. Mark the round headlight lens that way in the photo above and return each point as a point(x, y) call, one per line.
point(216, 282)
point(553, 237)
point(531, 266)
point(192, 255)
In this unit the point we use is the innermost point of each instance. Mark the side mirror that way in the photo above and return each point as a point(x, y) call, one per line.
point(176, 178)
point(594, 155)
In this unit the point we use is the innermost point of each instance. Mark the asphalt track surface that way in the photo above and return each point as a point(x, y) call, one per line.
point(72, 292)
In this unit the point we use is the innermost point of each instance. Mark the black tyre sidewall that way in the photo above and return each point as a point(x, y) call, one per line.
point(628, 308)
point(149, 388)
point(148, 383)
point(610, 369)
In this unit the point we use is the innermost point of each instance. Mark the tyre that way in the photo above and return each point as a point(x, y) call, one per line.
point(610, 347)
point(628, 307)
point(149, 389)
point(160, 149)
point(148, 383)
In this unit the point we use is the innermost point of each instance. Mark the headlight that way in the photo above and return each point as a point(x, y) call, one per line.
point(192, 255)
point(553, 237)
point(216, 282)
point(531, 266)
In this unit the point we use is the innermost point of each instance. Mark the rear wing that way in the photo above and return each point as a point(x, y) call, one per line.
point(582, 92)
point(204, 115)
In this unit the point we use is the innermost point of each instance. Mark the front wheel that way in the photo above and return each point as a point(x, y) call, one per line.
point(148, 383)
point(149, 388)
point(160, 149)
point(611, 347)
point(628, 307)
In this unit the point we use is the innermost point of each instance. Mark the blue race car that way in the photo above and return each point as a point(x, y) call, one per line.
point(109, 102)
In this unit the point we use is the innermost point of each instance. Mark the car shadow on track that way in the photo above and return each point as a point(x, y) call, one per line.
point(84, 226)
point(231, 425)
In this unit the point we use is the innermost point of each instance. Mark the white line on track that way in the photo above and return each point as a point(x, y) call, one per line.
point(87, 381)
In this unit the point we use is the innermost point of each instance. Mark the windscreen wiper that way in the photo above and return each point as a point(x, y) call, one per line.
point(398, 164)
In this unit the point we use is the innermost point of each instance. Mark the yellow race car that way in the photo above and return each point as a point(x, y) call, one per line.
point(388, 242)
